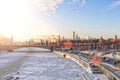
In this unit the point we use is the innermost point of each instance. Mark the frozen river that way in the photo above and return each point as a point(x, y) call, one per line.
point(39, 64)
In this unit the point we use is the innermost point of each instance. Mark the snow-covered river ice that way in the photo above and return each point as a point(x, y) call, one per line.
point(39, 64)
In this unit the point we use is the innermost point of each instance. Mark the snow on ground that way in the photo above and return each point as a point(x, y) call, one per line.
point(92, 52)
point(44, 66)
point(48, 68)
point(7, 58)
point(112, 56)
point(101, 76)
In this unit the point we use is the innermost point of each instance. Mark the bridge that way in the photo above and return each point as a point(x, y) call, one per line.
point(11, 47)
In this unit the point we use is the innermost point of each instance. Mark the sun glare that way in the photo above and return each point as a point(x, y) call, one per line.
point(18, 18)
point(15, 17)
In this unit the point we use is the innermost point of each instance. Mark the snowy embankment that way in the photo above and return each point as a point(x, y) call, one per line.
point(88, 73)
point(75, 58)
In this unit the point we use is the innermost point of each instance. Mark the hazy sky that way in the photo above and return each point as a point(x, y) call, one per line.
point(27, 18)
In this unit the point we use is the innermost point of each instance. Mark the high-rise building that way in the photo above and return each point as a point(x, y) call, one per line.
point(59, 38)
point(115, 36)
point(115, 39)
point(73, 35)
point(63, 38)
point(76, 36)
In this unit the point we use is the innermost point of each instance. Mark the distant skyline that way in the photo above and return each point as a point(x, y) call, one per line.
point(25, 19)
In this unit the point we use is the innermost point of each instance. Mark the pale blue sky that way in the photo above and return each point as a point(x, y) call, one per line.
point(95, 18)
point(27, 18)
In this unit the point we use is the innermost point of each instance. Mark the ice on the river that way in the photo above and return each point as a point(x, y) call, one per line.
point(31, 49)
point(47, 66)
point(8, 57)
